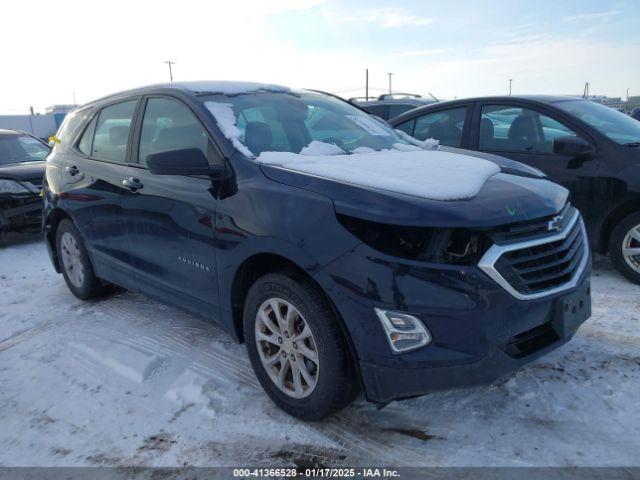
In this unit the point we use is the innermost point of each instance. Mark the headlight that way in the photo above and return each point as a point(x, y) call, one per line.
point(11, 186)
point(404, 332)
point(454, 246)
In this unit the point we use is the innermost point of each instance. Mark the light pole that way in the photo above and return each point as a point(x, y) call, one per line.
point(510, 80)
point(169, 62)
point(366, 84)
point(389, 82)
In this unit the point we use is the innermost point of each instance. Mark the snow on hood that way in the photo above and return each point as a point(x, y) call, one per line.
point(316, 148)
point(429, 174)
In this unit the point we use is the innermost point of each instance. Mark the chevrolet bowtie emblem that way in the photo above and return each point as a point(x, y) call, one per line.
point(555, 223)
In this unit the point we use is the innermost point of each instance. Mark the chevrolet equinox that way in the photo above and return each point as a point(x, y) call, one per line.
point(347, 256)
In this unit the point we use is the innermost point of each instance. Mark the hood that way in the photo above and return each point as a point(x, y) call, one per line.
point(23, 171)
point(501, 199)
point(506, 164)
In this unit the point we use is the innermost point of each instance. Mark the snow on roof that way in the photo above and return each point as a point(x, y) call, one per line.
point(230, 87)
point(433, 174)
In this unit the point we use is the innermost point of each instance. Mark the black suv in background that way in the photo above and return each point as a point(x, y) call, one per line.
point(346, 257)
point(591, 149)
point(22, 159)
point(390, 105)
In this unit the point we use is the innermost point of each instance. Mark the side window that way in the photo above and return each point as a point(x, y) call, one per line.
point(515, 129)
point(407, 127)
point(444, 125)
point(86, 141)
point(396, 109)
point(112, 132)
point(170, 125)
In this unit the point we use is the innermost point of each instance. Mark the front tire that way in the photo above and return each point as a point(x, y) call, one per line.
point(75, 263)
point(297, 348)
point(624, 247)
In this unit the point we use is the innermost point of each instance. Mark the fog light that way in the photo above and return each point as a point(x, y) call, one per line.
point(404, 332)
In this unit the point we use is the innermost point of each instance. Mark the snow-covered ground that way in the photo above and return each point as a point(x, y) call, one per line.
point(127, 381)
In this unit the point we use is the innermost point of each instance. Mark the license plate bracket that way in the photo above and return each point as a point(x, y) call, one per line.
point(573, 309)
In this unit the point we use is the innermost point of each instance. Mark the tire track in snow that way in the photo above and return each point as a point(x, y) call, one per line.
point(20, 337)
point(222, 361)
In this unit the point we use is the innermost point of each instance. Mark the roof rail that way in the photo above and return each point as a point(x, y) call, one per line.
point(384, 96)
point(360, 99)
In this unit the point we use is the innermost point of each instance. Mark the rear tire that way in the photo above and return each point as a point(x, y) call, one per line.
point(625, 239)
point(308, 344)
point(75, 263)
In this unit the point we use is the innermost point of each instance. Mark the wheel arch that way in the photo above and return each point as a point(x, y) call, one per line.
point(612, 220)
point(51, 223)
point(260, 264)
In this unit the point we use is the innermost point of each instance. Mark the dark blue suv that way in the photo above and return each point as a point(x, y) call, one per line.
point(347, 256)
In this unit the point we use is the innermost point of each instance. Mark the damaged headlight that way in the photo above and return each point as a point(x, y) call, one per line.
point(11, 186)
point(455, 246)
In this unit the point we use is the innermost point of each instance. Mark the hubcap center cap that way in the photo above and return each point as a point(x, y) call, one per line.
point(287, 345)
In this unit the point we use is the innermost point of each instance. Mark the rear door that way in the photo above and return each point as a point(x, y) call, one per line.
point(450, 126)
point(172, 236)
point(526, 133)
point(93, 192)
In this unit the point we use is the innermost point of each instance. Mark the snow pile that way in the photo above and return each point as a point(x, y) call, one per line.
point(434, 175)
point(226, 120)
point(428, 144)
point(320, 148)
point(188, 390)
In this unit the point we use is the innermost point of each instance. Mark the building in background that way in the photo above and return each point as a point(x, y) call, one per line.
point(39, 125)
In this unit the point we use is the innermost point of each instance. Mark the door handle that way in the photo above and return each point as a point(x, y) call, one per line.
point(72, 170)
point(132, 183)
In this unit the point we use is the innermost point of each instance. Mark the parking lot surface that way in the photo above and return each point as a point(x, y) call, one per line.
point(128, 381)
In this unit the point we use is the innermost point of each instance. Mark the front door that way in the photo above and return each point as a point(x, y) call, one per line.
point(526, 135)
point(172, 237)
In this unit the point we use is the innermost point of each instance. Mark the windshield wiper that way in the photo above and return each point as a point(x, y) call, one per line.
point(632, 144)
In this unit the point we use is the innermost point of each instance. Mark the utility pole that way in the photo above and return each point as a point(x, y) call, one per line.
point(627, 99)
point(366, 84)
point(169, 62)
point(510, 80)
point(74, 98)
point(585, 94)
point(389, 82)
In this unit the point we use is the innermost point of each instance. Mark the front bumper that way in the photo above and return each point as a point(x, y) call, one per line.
point(20, 212)
point(480, 332)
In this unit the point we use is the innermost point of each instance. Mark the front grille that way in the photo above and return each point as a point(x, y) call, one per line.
point(540, 265)
point(531, 228)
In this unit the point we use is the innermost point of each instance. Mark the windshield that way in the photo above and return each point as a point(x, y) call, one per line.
point(300, 122)
point(21, 148)
point(616, 125)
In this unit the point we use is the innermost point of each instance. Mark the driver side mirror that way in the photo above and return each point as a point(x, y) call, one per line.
point(186, 161)
point(574, 147)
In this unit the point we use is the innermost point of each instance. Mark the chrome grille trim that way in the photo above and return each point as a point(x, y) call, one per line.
point(488, 261)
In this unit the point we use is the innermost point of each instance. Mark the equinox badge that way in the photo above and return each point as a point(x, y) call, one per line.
point(194, 263)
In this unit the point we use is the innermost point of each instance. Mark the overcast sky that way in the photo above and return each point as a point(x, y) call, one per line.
point(450, 48)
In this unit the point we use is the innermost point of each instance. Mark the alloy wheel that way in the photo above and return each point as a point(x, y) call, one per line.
point(286, 347)
point(72, 259)
point(631, 248)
